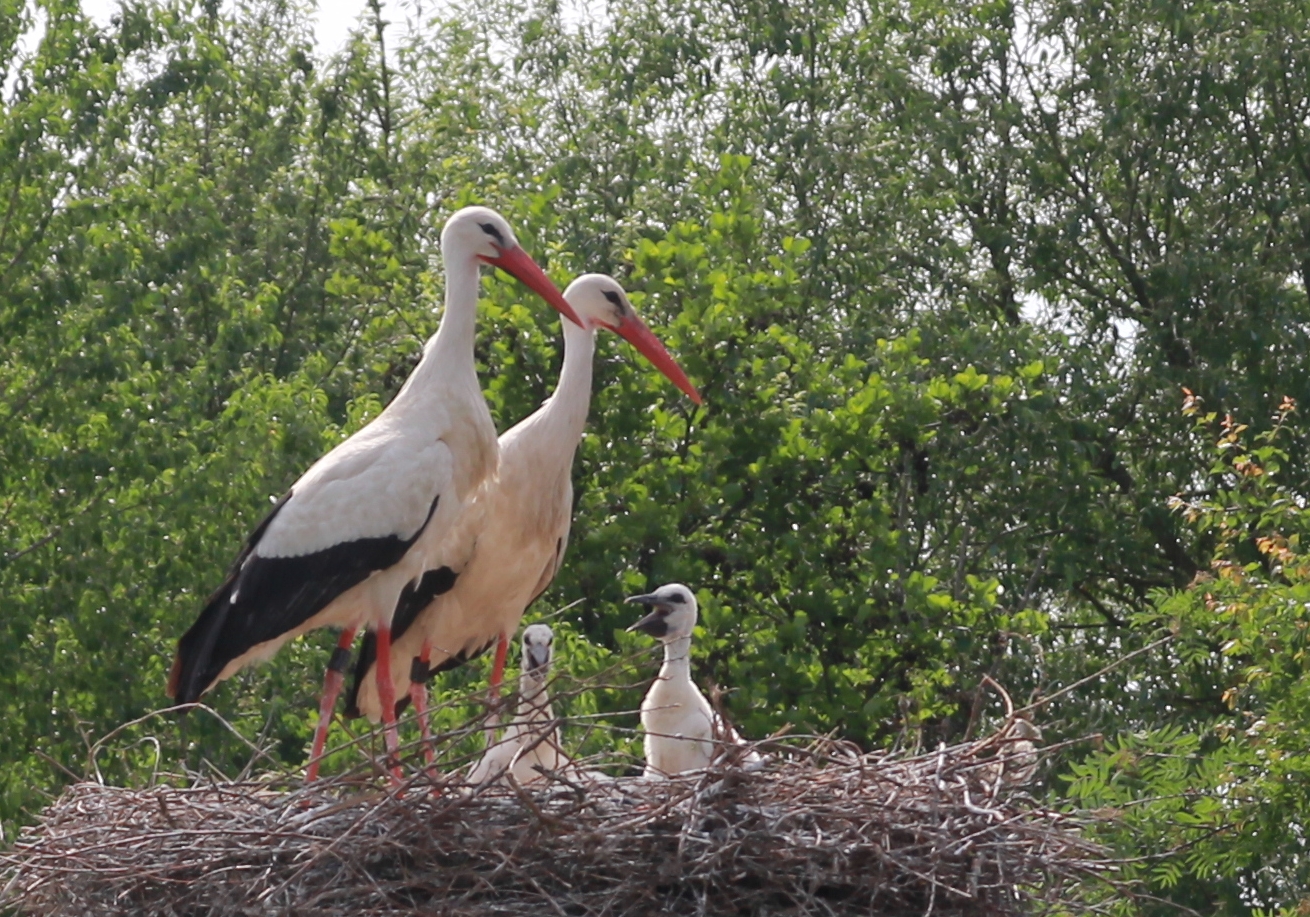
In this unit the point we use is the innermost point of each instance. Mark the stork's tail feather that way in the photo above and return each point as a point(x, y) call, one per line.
point(368, 654)
point(187, 679)
point(193, 667)
point(174, 676)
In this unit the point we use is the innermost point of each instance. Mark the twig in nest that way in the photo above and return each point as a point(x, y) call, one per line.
point(818, 828)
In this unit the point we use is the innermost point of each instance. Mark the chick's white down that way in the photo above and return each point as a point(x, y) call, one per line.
point(530, 746)
point(682, 731)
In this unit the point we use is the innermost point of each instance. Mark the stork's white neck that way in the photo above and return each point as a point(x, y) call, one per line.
point(452, 348)
point(568, 405)
point(447, 362)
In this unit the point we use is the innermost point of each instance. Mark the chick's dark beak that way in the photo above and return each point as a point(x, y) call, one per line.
point(656, 623)
point(538, 658)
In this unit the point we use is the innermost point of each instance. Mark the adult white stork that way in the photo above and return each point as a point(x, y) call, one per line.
point(683, 732)
point(531, 741)
point(377, 511)
point(522, 516)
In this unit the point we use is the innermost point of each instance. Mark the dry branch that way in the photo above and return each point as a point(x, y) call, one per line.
point(817, 829)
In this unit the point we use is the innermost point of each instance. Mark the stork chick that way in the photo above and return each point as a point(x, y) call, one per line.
point(683, 731)
point(531, 742)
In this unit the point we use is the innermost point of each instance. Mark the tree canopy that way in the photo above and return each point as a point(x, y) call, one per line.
point(999, 310)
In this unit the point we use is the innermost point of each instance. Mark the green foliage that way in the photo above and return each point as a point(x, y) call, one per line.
point(940, 271)
point(1216, 791)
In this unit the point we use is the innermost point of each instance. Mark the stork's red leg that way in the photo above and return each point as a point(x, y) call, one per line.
point(332, 682)
point(497, 675)
point(418, 695)
point(498, 667)
point(387, 700)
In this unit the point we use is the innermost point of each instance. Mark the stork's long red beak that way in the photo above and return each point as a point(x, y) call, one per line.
point(634, 330)
point(517, 262)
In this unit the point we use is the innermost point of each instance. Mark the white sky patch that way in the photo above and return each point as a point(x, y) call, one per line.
point(27, 43)
point(584, 13)
point(336, 18)
point(332, 22)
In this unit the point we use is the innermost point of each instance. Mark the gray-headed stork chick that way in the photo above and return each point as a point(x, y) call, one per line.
point(531, 742)
point(683, 732)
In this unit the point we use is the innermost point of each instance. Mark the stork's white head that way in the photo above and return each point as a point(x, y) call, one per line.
point(673, 615)
point(537, 652)
point(477, 232)
point(483, 234)
point(601, 302)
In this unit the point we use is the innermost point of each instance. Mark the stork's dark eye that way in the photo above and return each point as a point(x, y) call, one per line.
point(614, 298)
point(678, 599)
point(491, 230)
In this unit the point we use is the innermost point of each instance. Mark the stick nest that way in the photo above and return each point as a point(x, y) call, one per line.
point(819, 829)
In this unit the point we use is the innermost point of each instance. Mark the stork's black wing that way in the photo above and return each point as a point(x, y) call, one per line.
point(266, 597)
